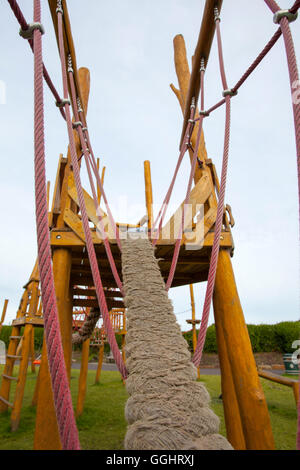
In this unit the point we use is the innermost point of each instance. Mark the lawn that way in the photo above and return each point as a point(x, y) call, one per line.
point(103, 426)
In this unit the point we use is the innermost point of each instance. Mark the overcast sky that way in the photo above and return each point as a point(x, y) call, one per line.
point(133, 116)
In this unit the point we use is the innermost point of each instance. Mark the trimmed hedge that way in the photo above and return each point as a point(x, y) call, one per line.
point(264, 338)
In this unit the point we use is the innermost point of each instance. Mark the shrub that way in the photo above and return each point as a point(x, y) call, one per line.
point(286, 333)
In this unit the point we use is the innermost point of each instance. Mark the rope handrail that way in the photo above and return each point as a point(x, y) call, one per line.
point(219, 219)
point(294, 83)
point(89, 242)
point(59, 379)
point(24, 26)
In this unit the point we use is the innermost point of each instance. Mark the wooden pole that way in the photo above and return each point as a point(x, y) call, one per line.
point(3, 313)
point(148, 193)
point(194, 323)
point(16, 411)
point(46, 431)
point(83, 377)
point(100, 362)
point(249, 396)
point(234, 428)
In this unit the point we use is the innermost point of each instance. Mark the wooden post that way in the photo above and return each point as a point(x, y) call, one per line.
point(229, 317)
point(250, 397)
point(83, 377)
point(16, 412)
point(194, 323)
point(36, 389)
point(46, 432)
point(32, 354)
point(234, 428)
point(100, 362)
point(3, 313)
point(148, 193)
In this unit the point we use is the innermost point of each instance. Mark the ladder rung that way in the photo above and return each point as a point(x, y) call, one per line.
point(11, 356)
point(15, 337)
point(8, 377)
point(6, 402)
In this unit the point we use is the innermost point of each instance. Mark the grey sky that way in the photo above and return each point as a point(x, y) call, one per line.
point(133, 116)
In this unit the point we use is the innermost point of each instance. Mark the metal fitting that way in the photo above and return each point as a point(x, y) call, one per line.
point(62, 103)
point(203, 113)
point(229, 92)
point(217, 14)
point(284, 14)
point(193, 103)
point(77, 124)
point(202, 66)
point(192, 121)
point(28, 33)
point(70, 64)
point(59, 8)
point(80, 110)
point(84, 129)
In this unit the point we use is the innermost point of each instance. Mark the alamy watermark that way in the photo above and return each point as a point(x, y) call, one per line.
point(296, 354)
point(2, 92)
point(186, 223)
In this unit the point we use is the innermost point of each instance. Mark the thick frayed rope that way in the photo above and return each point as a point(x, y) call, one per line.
point(88, 327)
point(167, 408)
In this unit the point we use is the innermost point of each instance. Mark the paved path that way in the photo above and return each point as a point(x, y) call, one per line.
point(105, 366)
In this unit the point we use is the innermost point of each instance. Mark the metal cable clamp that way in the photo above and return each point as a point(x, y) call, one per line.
point(229, 92)
point(77, 124)
point(28, 33)
point(284, 14)
point(62, 103)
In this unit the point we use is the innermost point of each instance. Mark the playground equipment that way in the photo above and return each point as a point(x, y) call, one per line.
point(92, 257)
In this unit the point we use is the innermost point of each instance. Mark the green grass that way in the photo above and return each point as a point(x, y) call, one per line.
point(103, 426)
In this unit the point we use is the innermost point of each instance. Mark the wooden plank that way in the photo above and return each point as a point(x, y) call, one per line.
point(74, 222)
point(94, 303)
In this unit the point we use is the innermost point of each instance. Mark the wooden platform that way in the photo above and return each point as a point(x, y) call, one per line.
point(192, 265)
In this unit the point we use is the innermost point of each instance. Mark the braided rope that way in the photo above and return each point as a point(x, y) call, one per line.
point(189, 187)
point(219, 220)
point(59, 379)
point(89, 242)
point(24, 25)
point(184, 147)
point(87, 328)
point(86, 156)
point(295, 87)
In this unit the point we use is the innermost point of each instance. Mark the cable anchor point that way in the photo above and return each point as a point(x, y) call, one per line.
point(59, 8)
point(62, 103)
point(217, 14)
point(193, 103)
point(70, 64)
point(28, 33)
point(202, 65)
point(284, 14)
point(80, 110)
point(229, 92)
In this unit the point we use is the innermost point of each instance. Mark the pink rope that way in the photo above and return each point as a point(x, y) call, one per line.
point(184, 148)
point(86, 155)
point(24, 25)
point(89, 242)
point(295, 85)
point(219, 220)
point(188, 193)
point(59, 379)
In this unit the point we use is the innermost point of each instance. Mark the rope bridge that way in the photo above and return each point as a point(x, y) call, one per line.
point(136, 411)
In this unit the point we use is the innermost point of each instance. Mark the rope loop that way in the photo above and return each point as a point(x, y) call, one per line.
point(28, 33)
